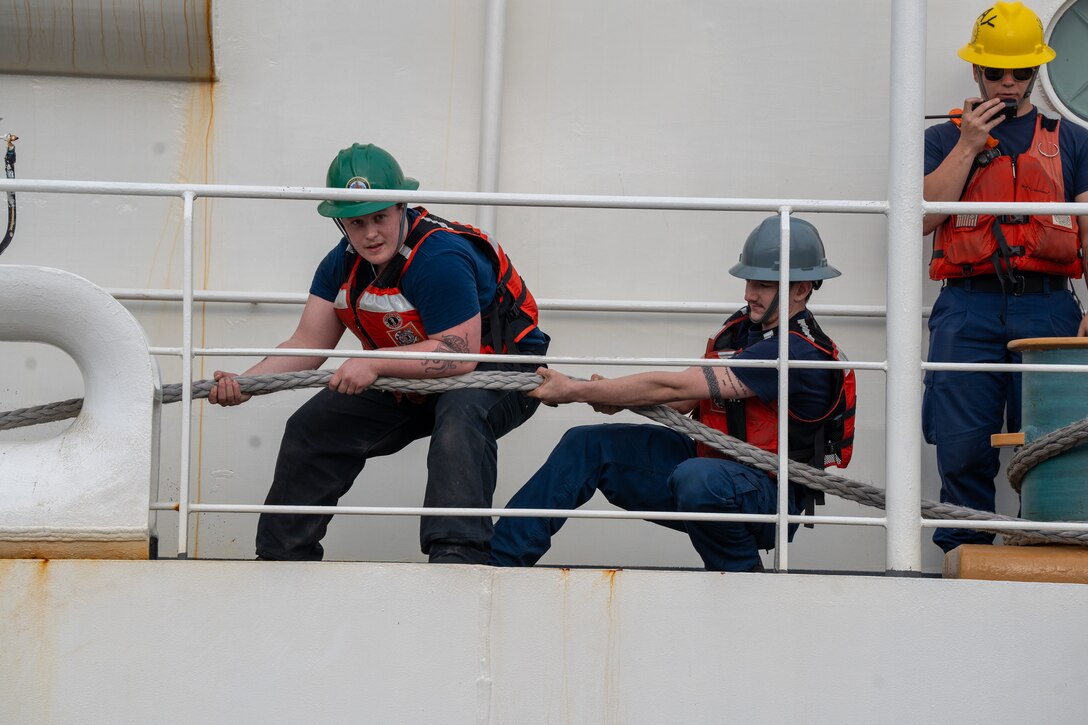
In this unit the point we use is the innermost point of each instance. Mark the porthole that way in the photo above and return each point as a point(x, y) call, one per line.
point(1066, 77)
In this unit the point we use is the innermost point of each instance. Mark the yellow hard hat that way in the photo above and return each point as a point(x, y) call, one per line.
point(1008, 35)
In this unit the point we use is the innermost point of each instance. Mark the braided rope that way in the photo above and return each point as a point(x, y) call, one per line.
point(841, 486)
point(265, 384)
point(1044, 448)
point(742, 452)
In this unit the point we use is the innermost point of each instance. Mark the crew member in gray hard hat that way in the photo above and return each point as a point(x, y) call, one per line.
point(653, 468)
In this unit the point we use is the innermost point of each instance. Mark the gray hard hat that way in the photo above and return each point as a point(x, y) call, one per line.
point(759, 257)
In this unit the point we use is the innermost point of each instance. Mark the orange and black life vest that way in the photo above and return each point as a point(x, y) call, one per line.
point(821, 442)
point(381, 316)
point(967, 245)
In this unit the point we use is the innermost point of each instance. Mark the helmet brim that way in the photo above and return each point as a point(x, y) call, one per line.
point(762, 274)
point(1030, 60)
point(349, 209)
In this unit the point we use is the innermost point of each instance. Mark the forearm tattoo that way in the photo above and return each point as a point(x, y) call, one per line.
point(716, 396)
point(448, 343)
point(712, 384)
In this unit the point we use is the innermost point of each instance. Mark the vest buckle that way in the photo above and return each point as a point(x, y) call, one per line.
point(1018, 282)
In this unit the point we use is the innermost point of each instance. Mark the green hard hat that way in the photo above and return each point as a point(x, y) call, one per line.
point(363, 166)
point(759, 257)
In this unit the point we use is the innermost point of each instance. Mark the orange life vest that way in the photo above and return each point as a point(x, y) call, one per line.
point(381, 316)
point(822, 442)
point(967, 245)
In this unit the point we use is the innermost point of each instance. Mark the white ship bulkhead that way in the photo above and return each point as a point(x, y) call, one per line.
point(634, 99)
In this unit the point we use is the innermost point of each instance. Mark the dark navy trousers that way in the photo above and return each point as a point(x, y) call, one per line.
point(329, 439)
point(644, 468)
point(961, 410)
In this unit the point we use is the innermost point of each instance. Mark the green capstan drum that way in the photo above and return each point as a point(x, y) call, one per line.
point(1055, 489)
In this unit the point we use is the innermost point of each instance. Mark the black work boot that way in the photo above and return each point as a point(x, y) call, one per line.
point(447, 553)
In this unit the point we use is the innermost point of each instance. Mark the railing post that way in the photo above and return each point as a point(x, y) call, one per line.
point(186, 376)
point(491, 109)
point(904, 287)
point(782, 532)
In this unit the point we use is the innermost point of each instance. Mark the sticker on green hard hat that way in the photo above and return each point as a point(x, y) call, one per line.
point(363, 166)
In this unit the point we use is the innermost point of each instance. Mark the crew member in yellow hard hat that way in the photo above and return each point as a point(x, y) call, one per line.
point(398, 277)
point(1004, 277)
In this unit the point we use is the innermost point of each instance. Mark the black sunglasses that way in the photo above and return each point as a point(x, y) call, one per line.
point(996, 74)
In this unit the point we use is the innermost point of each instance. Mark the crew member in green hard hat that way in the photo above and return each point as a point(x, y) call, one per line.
point(1003, 277)
point(653, 468)
point(402, 278)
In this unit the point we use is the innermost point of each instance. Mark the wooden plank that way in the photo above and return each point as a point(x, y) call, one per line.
point(1048, 343)
point(1004, 440)
point(1060, 564)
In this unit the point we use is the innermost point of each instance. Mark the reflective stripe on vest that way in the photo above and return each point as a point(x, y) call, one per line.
point(384, 317)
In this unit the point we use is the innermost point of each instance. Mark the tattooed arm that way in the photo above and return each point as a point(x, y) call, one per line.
point(698, 383)
point(724, 385)
point(357, 374)
point(448, 343)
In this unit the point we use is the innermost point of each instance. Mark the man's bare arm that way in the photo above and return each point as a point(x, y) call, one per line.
point(652, 388)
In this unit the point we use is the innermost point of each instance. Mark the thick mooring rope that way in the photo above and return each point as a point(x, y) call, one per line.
point(1044, 448)
point(265, 384)
point(742, 452)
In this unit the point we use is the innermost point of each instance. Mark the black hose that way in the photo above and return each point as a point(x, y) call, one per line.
point(9, 172)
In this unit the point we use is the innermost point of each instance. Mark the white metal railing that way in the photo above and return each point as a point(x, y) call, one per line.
point(903, 309)
point(903, 396)
point(188, 296)
point(149, 294)
point(473, 198)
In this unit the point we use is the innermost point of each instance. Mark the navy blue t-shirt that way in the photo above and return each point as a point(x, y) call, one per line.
point(448, 282)
point(812, 390)
point(1014, 137)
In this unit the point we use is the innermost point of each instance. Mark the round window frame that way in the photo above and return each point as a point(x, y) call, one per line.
point(1053, 99)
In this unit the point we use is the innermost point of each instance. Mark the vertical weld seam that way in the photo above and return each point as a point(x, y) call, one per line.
point(208, 35)
point(451, 96)
point(484, 683)
point(72, 18)
point(208, 135)
point(612, 656)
